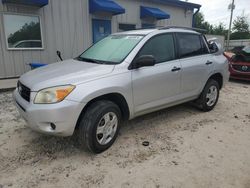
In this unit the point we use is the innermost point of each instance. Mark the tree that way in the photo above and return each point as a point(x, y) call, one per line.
point(199, 20)
point(29, 31)
point(202, 24)
point(210, 29)
point(220, 29)
point(241, 24)
point(240, 28)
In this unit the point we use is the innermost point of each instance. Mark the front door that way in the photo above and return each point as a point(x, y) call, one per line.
point(101, 29)
point(158, 85)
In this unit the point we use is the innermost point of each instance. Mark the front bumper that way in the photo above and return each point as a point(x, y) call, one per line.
point(239, 75)
point(39, 117)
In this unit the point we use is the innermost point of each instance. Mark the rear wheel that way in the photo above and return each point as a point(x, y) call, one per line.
point(99, 126)
point(209, 96)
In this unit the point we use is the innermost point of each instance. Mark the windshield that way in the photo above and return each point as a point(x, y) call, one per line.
point(111, 50)
point(246, 49)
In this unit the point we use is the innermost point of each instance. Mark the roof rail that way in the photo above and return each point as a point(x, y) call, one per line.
point(187, 28)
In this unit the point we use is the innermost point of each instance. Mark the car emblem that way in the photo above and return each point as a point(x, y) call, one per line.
point(244, 68)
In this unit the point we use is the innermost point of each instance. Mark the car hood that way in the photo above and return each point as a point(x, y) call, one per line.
point(63, 73)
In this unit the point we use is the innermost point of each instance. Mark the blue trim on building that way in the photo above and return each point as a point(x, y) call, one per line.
point(105, 6)
point(154, 13)
point(39, 3)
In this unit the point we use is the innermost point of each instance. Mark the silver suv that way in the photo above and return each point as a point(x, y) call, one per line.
point(123, 76)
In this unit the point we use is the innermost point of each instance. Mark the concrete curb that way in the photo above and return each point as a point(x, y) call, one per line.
point(6, 90)
point(8, 84)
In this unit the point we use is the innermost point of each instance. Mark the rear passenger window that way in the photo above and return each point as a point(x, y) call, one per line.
point(161, 47)
point(189, 45)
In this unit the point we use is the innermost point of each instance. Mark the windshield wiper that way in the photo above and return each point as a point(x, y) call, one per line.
point(89, 60)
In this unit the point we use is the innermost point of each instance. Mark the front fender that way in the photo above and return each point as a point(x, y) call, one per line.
point(119, 83)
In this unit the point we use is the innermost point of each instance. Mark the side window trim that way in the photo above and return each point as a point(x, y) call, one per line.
point(206, 42)
point(175, 48)
point(204, 45)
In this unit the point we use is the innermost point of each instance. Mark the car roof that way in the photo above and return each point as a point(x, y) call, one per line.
point(160, 30)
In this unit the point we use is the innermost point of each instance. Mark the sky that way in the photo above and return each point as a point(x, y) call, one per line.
point(216, 11)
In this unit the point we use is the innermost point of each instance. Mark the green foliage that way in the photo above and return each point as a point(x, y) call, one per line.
point(220, 29)
point(210, 29)
point(240, 28)
point(240, 24)
point(239, 35)
point(201, 23)
point(29, 31)
point(199, 20)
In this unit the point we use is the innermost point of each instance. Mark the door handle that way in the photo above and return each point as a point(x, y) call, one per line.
point(176, 69)
point(209, 63)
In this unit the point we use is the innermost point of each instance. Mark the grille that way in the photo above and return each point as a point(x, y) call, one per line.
point(241, 68)
point(23, 91)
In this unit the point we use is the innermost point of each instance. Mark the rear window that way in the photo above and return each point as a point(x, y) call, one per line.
point(189, 45)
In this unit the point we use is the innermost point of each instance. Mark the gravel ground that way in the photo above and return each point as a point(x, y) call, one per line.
point(188, 148)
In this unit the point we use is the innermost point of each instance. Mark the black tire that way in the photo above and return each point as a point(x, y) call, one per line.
point(202, 101)
point(87, 133)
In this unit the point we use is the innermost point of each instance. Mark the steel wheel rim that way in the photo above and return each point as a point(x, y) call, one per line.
point(106, 128)
point(212, 95)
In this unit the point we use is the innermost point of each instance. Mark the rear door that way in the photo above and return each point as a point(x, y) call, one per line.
point(196, 62)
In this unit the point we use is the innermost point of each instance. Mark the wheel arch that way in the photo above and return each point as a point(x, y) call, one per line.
point(116, 98)
point(217, 77)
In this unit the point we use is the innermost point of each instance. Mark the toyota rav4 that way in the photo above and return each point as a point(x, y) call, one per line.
point(123, 76)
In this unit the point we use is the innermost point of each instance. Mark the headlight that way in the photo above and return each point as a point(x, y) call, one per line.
point(53, 94)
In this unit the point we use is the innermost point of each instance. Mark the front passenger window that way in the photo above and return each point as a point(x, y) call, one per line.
point(161, 47)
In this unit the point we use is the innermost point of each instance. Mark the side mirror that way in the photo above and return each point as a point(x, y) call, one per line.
point(215, 48)
point(144, 61)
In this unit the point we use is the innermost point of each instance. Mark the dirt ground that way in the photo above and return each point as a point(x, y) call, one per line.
point(188, 148)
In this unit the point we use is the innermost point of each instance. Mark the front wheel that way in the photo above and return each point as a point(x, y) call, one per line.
point(99, 126)
point(209, 96)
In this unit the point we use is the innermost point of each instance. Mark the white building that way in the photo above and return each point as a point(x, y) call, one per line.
point(33, 30)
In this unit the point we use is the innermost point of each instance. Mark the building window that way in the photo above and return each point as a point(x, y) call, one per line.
point(126, 27)
point(23, 32)
point(148, 26)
